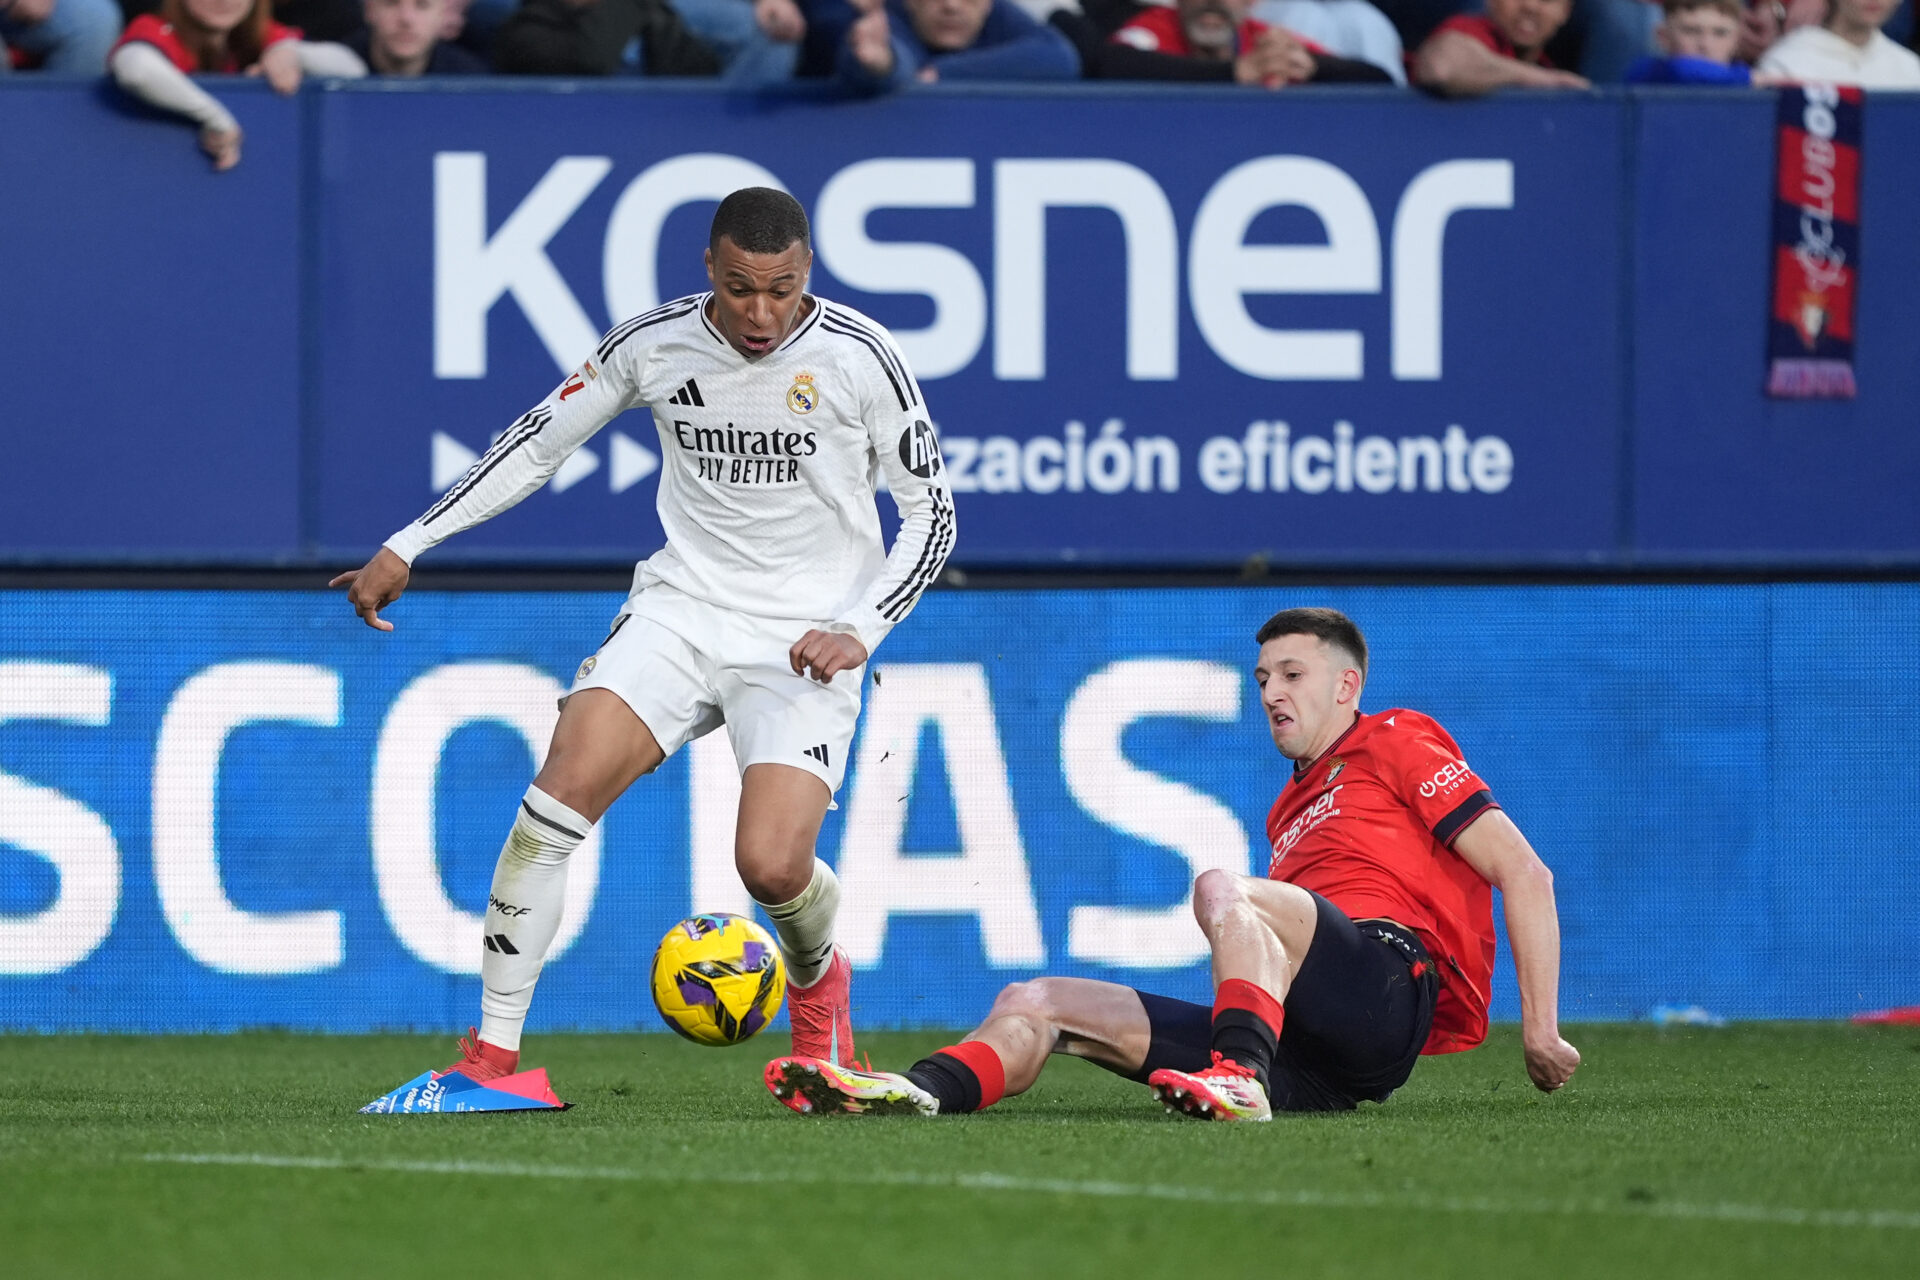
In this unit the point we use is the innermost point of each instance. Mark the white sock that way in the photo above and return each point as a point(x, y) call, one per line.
point(805, 926)
point(523, 911)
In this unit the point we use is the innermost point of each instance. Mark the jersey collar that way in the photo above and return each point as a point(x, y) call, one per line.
point(813, 317)
point(707, 322)
point(799, 330)
point(1301, 771)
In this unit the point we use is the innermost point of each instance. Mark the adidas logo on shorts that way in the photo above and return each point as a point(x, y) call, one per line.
point(818, 753)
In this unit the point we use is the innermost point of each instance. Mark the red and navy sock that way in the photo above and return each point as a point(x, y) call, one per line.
point(1246, 1026)
point(964, 1077)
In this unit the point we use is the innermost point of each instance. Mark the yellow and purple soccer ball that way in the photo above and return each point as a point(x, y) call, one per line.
point(717, 979)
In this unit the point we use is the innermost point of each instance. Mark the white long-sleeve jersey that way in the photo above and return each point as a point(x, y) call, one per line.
point(770, 466)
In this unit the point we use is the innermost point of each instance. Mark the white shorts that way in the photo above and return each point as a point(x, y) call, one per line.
point(686, 667)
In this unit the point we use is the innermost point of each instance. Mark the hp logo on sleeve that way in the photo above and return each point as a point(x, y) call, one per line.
point(920, 451)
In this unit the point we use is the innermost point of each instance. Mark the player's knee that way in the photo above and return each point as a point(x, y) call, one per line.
point(575, 795)
point(1029, 1001)
point(1216, 892)
point(772, 880)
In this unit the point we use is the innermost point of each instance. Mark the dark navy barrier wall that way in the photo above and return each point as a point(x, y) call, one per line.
point(1182, 329)
point(149, 331)
point(224, 810)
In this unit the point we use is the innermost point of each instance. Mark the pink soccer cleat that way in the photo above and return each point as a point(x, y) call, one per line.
point(481, 1062)
point(1224, 1091)
point(822, 1025)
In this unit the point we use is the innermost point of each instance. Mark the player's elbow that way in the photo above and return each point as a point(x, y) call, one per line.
point(1525, 873)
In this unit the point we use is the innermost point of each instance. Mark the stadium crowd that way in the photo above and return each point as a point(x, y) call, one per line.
point(154, 48)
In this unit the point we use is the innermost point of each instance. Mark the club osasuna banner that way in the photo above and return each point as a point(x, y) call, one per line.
point(1816, 254)
point(234, 810)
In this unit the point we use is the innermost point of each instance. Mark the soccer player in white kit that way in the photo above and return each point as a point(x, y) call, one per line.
point(778, 414)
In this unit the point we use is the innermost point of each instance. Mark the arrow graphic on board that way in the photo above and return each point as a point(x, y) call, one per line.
point(631, 462)
point(450, 461)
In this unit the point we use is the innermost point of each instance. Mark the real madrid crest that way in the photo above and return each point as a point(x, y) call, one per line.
point(1333, 770)
point(586, 669)
point(801, 396)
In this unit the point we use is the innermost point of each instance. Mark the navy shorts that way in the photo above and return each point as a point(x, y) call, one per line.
point(1357, 1017)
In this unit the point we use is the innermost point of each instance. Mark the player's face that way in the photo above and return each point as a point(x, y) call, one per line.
point(1310, 692)
point(757, 296)
point(1701, 33)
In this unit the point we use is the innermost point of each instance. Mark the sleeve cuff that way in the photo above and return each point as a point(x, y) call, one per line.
point(410, 542)
point(869, 632)
point(1449, 828)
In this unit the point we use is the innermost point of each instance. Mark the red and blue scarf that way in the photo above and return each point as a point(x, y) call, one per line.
point(1816, 244)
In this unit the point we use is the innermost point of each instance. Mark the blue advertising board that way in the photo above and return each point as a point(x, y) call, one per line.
point(1156, 328)
point(1164, 344)
point(221, 810)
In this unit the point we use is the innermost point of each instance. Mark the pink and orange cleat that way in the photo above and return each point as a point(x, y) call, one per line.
point(481, 1062)
point(822, 1024)
point(814, 1086)
point(1224, 1091)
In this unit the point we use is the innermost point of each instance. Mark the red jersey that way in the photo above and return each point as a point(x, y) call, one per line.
point(1158, 30)
point(1476, 26)
point(149, 29)
point(1370, 827)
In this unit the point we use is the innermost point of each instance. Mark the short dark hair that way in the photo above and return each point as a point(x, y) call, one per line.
point(1330, 625)
point(760, 220)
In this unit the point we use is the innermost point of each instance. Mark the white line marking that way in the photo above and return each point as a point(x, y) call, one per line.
point(1769, 1215)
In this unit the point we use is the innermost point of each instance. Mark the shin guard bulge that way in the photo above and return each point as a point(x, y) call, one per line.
point(805, 926)
point(523, 911)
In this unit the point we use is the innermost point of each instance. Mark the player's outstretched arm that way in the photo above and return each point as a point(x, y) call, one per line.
point(1494, 847)
point(526, 455)
point(375, 586)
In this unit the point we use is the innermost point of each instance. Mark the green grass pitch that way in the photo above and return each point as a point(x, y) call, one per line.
point(1756, 1150)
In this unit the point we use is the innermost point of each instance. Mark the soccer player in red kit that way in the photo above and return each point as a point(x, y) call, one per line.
point(1368, 943)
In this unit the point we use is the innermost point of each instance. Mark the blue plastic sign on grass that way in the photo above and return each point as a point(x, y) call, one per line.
point(526, 1091)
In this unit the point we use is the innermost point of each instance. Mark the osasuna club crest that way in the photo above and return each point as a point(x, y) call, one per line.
point(801, 396)
point(920, 450)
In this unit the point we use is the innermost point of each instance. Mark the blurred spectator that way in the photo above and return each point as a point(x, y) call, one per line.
point(1346, 28)
point(190, 37)
point(57, 35)
point(1601, 38)
point(1697, 40)
point(902, 42)
point(1849, 48)
point(1604, 37)
point(320, 19)
point(1473, 54)
point(1765, 21)
point(405, 38)
point(1204, 40)
point(600, 38)
point(758, 41)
